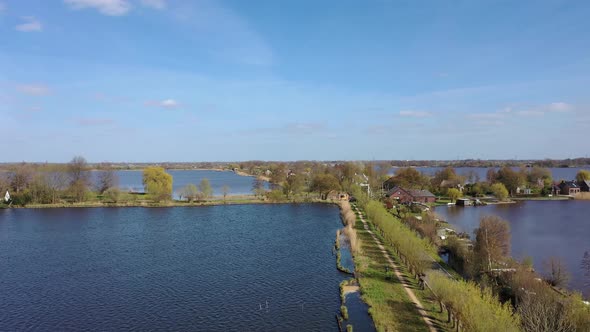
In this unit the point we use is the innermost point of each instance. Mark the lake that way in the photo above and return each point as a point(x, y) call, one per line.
point(238, 185)
point(557, 173)
point(201, 268)
point(540, 229)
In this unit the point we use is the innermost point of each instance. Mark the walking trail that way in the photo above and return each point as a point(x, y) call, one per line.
point(408, 290)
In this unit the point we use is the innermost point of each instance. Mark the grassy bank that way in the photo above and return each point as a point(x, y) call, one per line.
point(390, 306)
point(230, 200)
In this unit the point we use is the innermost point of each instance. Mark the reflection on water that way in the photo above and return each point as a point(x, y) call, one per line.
point(540, 229)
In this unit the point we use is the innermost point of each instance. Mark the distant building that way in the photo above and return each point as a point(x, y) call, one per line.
point(569, 188)
point(411, 195)
point(524, 191)
point(584, 185)
point(463, 202)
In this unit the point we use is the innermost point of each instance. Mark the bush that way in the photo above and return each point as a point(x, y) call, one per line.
point(112, 194)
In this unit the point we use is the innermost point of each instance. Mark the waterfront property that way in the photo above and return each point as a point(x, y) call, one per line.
point(569, 187)
point(411, 195)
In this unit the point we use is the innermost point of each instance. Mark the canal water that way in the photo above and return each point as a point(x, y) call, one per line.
point(217, 268)
point(474, 173)
point(540, 229)
point(238, 185)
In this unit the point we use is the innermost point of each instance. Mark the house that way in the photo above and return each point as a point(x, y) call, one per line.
point(524, 191)
point(569, 188)
point(463, 202)
point(411, 195)
point(584, 185)
point(337, 196)
point(555, 190)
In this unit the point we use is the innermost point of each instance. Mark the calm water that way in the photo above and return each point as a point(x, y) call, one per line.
point(481, 172)
point(539, 229)
point(238, 185)
point(191, 269)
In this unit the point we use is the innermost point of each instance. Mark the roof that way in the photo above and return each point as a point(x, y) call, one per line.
point(420, 193)
point(571, 184)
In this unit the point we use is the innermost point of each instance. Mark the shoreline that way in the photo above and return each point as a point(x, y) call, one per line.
point(244, 201)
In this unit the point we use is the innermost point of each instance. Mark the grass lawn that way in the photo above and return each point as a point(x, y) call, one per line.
point(389, 304)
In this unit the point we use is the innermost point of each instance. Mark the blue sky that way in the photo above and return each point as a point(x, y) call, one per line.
point(172, 80)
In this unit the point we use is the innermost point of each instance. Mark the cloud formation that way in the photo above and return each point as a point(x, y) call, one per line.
point(31, 24)
point(106, 7)
point(166, 103)
point(34, 89)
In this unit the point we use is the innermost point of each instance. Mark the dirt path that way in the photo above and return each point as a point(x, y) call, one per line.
point(408, 290)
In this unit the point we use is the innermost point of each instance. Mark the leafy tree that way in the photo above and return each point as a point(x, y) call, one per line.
point(409, 178)
point(492, 241)
point(294, 185)
point(453, 194)
point(537, 173)
point(113, 194)
point(324, 183)
point(500, 191)
point(190, 192)
point(205, 188)
point(510, 178)
point(157, 183)
point(583, 175)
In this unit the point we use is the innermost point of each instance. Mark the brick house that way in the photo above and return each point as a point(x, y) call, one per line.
point(411, 195)
point(569, 188)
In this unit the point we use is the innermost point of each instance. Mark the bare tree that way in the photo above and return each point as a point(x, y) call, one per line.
point(79, 177)
point(492, 240)
point(106, 179)
point(21, 177)
point(556, 272)
point(225, 191)
point(541, 311)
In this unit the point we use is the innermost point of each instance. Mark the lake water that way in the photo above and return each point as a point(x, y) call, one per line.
point(238, 185)
point(192, 269)
point(556, 173)
point(540, 229)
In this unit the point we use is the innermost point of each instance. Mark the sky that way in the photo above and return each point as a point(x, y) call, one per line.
point(192, 80)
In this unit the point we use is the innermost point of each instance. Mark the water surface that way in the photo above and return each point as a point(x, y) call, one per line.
point(540, 229)
point(190, 269)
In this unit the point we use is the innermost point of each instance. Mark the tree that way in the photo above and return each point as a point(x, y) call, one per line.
point(500, 191)
point(258, 187)
point(113, 194)
point(21, 177)
point(492, 241)
point(409, 178)
point(324, 183)
point(157, 183)
point(453, 194)
point(225, 191)
point(556, 273)
point(79, 178)
point(205, 188)
point(294, 185)
point(190, 192)
point(510, 178)
point(106, 179)
point(583, 175)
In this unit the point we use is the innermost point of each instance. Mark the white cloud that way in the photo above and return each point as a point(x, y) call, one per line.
point(560, 107)
point(415, 114)
point(31, 24)
point(106, 7)
point(34, 89)
point(156, 4)
point(166, 103)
